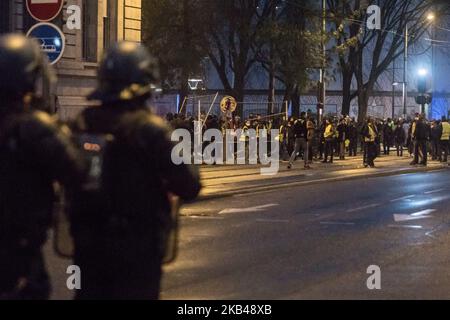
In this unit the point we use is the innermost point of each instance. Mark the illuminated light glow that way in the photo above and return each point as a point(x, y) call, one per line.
point(431, 16)
point(422, 72)
point(57, 42)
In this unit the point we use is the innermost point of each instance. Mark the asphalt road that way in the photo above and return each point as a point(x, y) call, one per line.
point(317, 242)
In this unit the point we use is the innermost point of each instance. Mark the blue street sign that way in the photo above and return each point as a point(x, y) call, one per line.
point(50, 38)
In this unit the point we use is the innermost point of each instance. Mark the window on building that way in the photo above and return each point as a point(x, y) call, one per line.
point(5, 14)
point(109, 23)
point(90, 19)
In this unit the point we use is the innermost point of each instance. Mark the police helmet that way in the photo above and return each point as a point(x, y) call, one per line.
point(21, 65)
point(127, 71)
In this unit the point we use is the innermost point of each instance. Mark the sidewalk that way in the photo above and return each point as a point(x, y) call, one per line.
point(223, 181)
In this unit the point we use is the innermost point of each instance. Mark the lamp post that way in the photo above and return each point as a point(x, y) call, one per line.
point(431, 18)
point(405, 72)
point(394, 85)
point(322, 86)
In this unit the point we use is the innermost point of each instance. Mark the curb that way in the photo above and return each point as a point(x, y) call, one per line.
point(269, 187)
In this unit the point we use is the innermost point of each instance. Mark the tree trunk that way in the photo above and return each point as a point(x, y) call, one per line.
point(271, 96)
point(346, 92)
point(239, 88)
point(363, 103)
point(239, 95)
point(295, 103)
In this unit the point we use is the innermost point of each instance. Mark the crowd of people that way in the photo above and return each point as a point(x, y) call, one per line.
point(340, 136)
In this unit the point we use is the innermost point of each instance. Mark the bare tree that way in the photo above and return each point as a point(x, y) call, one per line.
point(231, 39)
point(366, 54)
point(292, 50)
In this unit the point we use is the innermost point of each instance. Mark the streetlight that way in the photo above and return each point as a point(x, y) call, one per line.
point(430, 18)
point(422, 72)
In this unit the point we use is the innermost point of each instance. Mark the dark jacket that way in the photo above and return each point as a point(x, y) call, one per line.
point(124, 223)
point(422, 131)
point(35, 153)
point(399, 135)
point(352, 132)
point(436, 132)
point(342, 132)
point(300, 129)
point(388, 134)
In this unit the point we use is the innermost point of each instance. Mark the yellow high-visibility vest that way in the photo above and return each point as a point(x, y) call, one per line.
point(445, 131)
point(281, 135)
point(413, 130)
point(329, 132)
point(372, 135)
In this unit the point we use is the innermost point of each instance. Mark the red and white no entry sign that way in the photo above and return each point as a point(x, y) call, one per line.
point(44, 10)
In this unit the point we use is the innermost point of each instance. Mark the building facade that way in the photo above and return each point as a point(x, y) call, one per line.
point(102, 22)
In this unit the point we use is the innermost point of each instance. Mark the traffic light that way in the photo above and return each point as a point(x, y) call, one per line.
point(422, 85)
point(424, 99)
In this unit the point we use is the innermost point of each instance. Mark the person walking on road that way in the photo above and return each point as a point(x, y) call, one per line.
point(301, 141)
point(370, 134)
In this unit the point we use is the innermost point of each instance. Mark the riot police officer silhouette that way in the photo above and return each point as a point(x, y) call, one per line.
point(34, 153)
point(122, 214)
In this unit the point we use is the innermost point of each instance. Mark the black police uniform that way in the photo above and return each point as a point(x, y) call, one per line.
point(119, 229)
point(35, 152)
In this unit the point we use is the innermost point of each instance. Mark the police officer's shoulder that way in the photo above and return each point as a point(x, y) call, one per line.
point(40, 122)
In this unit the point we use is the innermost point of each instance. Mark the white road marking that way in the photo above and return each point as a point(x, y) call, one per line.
point(434, 191)
point(404, 227)
point(430, 234)
point(251, 209)
point(365, 207)
point(205, 217)
point(332, 223)
point(273, 220)
point(425, 214)
point(403, 198)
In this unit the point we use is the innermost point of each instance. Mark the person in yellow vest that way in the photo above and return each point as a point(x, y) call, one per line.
point(370, 134)
point(445, 138)
point(329, 136)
